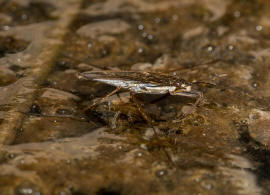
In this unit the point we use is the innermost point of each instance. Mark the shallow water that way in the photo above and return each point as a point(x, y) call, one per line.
point(52, 144)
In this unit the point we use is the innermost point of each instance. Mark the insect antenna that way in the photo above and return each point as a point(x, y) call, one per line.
point(204, 83)
point(195, 65)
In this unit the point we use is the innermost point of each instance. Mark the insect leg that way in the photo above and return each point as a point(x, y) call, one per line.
point(103, 99)
point(194, 106)
point(199, 99)
point(139, 106)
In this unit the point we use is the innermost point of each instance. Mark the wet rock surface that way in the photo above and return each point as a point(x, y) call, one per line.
point(54, 142)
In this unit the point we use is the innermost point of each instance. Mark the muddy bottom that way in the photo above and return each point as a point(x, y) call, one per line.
point(59, 135)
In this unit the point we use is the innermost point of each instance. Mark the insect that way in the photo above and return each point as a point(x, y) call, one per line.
point(144, 82)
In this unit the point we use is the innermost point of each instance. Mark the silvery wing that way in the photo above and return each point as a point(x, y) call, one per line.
point(142, 82)
point(132, 81)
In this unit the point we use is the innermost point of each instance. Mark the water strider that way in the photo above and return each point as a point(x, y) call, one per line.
point(144, 83)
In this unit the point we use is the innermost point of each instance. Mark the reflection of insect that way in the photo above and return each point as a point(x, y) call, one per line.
point(144, 82)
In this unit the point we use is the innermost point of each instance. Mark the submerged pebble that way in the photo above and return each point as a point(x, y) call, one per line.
point(109, 27)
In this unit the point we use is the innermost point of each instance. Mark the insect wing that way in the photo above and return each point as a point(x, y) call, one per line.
point(133, 81)
point(141, 82)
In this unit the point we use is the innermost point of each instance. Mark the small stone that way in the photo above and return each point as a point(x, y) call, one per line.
point(7, 76)
point(259, 123)
point(107, 27)
point(141, 66)
point(56, 94)
point(87, 67)
point(187, 110)
point(259, 130)
point(149, 133)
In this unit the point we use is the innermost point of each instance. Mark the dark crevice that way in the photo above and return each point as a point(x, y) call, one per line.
point(256, 152)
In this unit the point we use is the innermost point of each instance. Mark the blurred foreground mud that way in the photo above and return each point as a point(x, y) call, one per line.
point(51, 145)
